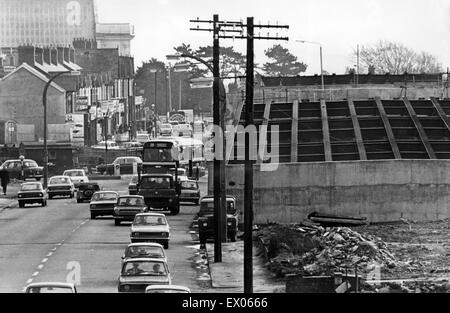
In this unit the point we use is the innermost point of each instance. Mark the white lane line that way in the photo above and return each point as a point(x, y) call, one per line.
point(35, 274)
point(29, 281)
point(44, 260)
point(49, 254)
point(54, 249)
point(40, 266)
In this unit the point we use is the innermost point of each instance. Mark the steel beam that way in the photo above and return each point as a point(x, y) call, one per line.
point(388, 128)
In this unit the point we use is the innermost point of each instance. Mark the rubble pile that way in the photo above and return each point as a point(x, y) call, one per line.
point(312, 250)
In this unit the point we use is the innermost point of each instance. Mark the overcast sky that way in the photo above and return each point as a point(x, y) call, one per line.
point(340, 25)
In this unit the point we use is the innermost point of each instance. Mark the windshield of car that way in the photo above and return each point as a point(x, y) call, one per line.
point(144, 268)
point(59, 180)
point(50, 289)
point(144, 251)
point(191, 185)
point(130, 201)
point(28, 187)
point(30, 164)
point(167, 291)
point(208, 207)
point(156, 183)
point(142, 220)
point(73, 173)
point(90, 186)
point(104, 197)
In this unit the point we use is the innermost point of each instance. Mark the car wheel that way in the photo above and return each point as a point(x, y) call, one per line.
point(21, 204)
point(78, 201)
point(50, 197)
point(72, 195)
point(232, 237)
point(93, 216)
point(44, 203)
point(117, 222)
point(166, 245)
point(175, 211)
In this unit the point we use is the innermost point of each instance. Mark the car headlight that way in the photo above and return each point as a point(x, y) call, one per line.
point(116, 210)
point(20, 196)
point(230, 224)
point(40, 195)
point(134, 234)
point(126, 287)
point(205, 224)
point(93, 206)
point(165, 234)
point(170, 200)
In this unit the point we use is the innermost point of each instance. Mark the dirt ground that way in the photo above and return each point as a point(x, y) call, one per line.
point(425, 246)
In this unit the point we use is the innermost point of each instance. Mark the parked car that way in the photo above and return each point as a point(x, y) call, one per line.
point(103, 203)
point(206, 219)
point(144, 250)
point(77, 176)
point(143, 138)
point(125, 164)
point(190, 191)
point(111, 145)
point(132, 145)
point(167, 289)
point(138, 274)
point(60, 186)
point(127, 207)
point(165, 129)
point(51, 288)
point(132, 186)
point(150, 227)
point(32, 193)
point(86, 191)
point(30, 169)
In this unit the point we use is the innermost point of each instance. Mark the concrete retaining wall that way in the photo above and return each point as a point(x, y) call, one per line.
point(382, 191)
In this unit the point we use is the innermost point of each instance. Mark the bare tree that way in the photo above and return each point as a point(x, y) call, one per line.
point(395, 58)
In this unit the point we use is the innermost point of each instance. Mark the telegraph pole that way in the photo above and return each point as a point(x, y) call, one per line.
point(248, 178)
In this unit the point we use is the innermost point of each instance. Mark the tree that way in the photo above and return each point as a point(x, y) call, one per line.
point(283, 63)
point(231, 61)
point(145, 83)
point(395, 58)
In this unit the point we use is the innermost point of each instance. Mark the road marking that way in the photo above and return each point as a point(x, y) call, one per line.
point(40, 266)
point(29, 281)
point(44, 260)
point(35, 274)
point(49, 254)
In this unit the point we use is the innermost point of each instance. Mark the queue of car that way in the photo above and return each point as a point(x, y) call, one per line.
point(144, 266)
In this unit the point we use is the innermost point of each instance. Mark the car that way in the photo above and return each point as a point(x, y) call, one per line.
point(103, 203)
point(182, 130)
point(167, 289)
point(47, 287)
point(190, 191)
point(60, 186)
point(150, 227)
point(86, 191)
point(77, 176)
point(31, 170)
point(31, 193)
point(160, 192)
point(137, 274)
point(110, 145)
point(205, 219)
point(126, 165)
point(143, 138)
point(165, 129)
point(132, 186)
point(132, 145)
point(183, 178)
point(127, 207)
point(144, 250)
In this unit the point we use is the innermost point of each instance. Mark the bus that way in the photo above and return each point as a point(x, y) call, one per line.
point(163, 153)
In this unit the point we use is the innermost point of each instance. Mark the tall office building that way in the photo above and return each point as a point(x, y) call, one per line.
point(46, 22)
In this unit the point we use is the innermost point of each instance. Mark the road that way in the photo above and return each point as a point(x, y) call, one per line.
point(60, 242)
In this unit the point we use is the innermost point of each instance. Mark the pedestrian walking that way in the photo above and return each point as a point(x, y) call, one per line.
point(4, 177)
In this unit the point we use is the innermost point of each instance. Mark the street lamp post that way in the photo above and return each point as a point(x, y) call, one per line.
point(155, 71)
point(321, 58)
point(44, 103)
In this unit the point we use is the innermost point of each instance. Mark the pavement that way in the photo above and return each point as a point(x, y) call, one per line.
point(10, 199)
point(228, 276)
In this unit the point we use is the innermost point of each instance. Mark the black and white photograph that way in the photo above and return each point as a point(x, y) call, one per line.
point(241, 147)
